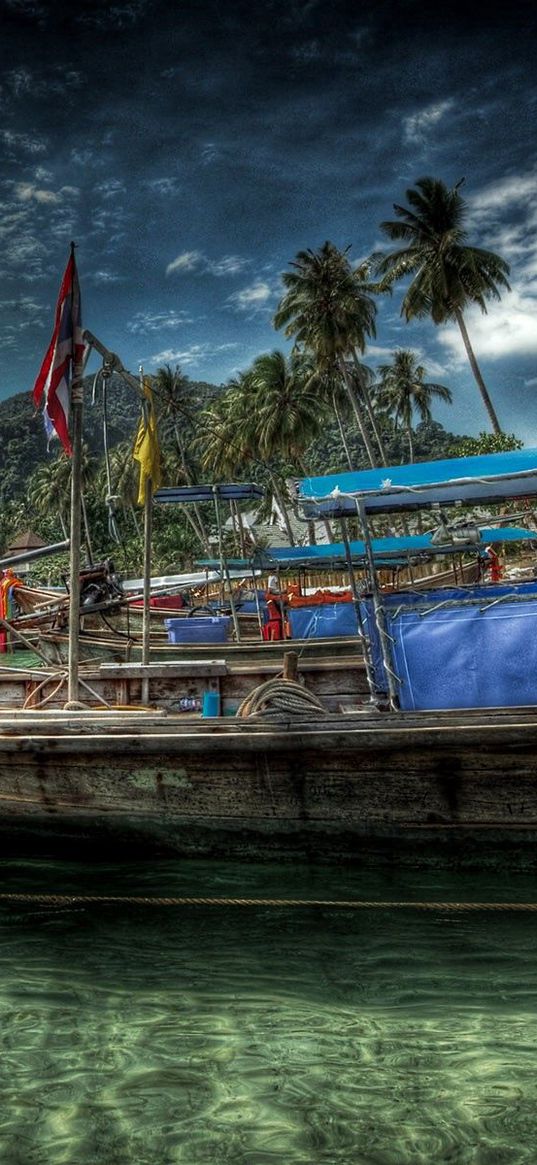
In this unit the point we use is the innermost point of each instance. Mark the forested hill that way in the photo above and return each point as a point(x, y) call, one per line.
point(23, 441)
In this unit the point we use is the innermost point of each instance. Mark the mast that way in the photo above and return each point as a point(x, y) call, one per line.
point(77, 408)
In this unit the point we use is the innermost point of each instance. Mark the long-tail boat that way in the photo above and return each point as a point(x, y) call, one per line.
point(437, 763)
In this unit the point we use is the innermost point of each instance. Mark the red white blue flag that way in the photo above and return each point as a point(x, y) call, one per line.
point(64, 353)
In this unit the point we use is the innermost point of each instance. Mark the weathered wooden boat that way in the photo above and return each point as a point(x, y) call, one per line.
point(386, 778)
point(457, 788)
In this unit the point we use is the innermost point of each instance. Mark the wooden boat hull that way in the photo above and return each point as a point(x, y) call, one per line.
point(453, 788)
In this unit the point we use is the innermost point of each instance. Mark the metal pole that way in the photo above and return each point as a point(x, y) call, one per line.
point(377, 606)
point(223, 564)
point(77, 409)
point(257, 607)
point(368, 659)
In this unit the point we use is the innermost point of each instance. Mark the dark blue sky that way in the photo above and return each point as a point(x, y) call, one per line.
point(192, 147)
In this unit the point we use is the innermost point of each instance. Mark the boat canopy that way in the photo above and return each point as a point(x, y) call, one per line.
point(487, 477)
point(393, 551)
point(235, 492)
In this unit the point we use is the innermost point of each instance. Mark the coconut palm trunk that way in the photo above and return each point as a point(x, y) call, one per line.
point(369, 409)
point(344, 442)
point(282, 506)
point(496, 427)
point(357, 411)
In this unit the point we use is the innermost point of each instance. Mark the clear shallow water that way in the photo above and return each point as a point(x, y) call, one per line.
point(255, 1036)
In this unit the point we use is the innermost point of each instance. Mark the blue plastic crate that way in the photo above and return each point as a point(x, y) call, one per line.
point(210, 629)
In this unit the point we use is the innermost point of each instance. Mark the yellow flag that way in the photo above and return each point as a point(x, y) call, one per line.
point(146, 447)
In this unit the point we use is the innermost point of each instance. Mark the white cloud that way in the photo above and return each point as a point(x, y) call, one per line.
point(193, 355)
point(145, 322)
point(102, 277)
point(516, 188)
point(22, 142)
point(417, 126)
point(26, 192)
point(508, 329)
point(111, 187)
point(197, 261)
point(187, 261)
point(257, 297)
point(164, 186)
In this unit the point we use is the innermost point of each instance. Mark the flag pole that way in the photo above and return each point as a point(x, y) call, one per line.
point(77, 401)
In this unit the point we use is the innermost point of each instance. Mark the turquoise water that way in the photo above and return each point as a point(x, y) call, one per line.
point(263, 1035)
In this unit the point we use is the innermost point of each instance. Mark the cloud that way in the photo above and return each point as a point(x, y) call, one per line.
point(197, 261)
point(86, 157)
point(145, 322)
point(19, 80)
point(210, 153)
point(257, 297)
point(508, 329)
point(103, 277)
point(114, 16)
point(193, 355)
point(164, 186)
point(111, 187)
point(26, 192)
point(516, 188)
point(22, 142)
point(187, 261)
point(417, 126)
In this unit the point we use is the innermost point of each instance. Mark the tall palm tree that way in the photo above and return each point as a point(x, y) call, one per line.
point(288, 413)
point(328, 309)
point(447, 274)
point(403, 391)
point(230, 436)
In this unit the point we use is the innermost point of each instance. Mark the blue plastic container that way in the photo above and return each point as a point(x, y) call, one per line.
point(211, 629)
point(211, 704)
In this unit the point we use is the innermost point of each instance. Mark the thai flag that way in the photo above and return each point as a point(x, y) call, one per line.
point(64, 353)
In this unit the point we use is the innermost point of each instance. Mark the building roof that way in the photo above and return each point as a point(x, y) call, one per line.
point(25, 541)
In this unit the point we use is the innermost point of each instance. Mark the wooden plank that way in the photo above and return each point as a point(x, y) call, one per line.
point(176, 669)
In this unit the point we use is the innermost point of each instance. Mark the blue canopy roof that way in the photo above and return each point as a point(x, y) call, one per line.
point(491, 477)
point(392, 550)
point(234, 492)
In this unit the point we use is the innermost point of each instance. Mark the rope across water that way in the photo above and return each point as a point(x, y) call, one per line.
point(300, 903)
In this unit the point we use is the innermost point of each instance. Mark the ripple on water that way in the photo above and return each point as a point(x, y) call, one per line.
point(259, 1037)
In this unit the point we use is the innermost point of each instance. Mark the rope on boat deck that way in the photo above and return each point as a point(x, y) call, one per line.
point(277, 699)
point(302, 903)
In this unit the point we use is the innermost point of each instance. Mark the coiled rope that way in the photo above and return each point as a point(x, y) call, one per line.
point(302, 903)
point(278, 699)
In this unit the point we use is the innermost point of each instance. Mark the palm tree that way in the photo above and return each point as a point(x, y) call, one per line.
point(231, 437)
point(288, 413)
point(328, 309)
point(174, 394)
point(403, 391)
point(50, 488)
point(447, 274)
point(123, 481)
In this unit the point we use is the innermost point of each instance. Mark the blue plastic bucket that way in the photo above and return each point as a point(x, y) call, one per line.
point(211, 704)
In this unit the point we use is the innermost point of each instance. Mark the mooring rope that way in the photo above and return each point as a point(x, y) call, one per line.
point(301, 903)
point(277, 699)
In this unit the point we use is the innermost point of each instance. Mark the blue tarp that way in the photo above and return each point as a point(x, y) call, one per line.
point(491, 477)
point(460, 656)
point(326, 620)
